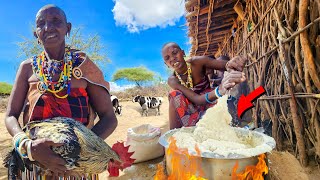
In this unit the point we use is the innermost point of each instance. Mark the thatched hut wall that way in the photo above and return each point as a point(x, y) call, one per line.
point(281, 41)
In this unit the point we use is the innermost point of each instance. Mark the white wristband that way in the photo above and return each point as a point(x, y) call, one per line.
point(23, 154)
point(29, 151)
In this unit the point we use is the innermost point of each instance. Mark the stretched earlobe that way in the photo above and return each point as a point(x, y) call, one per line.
point(69, 25)
point(36, 36)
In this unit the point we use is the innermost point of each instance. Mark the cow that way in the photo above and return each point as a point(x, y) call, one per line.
point(116, 106)
point(147, 103)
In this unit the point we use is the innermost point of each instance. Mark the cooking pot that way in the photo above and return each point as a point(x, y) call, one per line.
point(215, 166)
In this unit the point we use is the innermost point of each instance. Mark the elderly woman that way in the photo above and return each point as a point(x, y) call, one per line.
point(59, 82)
point(192, 94)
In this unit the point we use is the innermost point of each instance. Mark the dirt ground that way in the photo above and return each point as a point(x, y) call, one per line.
point(282, 165)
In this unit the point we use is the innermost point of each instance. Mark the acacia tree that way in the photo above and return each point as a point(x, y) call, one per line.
point(90, 44)
point(137, 75)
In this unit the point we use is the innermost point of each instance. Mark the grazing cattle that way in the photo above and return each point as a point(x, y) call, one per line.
point(116, 106)
point(147, 103)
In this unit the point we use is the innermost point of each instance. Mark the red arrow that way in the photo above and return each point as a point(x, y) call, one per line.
point(245, 104)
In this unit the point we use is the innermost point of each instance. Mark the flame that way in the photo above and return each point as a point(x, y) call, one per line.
point(252, 172)
point(183, 165)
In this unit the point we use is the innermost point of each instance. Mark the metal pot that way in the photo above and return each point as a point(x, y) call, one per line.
point(212, 166)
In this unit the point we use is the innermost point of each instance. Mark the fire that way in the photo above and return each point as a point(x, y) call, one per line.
point(182, 165)
point(252, 172)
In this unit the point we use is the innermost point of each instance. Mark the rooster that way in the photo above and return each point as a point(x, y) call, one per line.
point(83, 151)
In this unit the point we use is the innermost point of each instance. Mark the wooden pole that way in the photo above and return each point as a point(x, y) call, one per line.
point(297, 123)
point(305, 44)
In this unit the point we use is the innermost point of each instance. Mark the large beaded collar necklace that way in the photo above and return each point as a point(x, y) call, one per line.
point(45, 69)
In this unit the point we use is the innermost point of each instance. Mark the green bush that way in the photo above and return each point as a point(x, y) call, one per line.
point(5, 88)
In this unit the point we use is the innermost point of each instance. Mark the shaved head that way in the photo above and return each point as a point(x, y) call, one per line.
point(51, 26)
point(173, 44)
point(49, 6)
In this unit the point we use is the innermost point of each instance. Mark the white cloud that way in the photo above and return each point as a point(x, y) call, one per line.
point(114, 87)
point(144, 14)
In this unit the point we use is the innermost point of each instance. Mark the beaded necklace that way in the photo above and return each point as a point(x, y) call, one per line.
point(189, 83)
point(45, 76)
point(184, 73)
point(52, 66)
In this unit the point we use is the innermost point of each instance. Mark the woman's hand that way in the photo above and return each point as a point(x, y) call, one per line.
point(173, 82)
point(41, 152)
point(229, 80)
point(237, 63)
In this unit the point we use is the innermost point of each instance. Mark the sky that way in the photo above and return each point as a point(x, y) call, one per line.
point(131, 31)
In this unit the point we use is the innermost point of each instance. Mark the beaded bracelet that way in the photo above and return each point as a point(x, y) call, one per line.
point(29, 151)
point(207, 99)
point(216, 92)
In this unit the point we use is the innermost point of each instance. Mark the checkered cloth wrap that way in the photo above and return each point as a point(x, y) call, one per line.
point(188, 114)
point(74, 106)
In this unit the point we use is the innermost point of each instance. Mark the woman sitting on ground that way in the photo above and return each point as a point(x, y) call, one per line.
point(183, 109)
point(59, 82)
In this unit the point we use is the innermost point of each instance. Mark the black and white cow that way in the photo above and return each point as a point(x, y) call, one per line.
point(116, 106)
point(148, 103)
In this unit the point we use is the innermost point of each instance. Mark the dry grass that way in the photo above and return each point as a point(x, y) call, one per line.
point(160, 90)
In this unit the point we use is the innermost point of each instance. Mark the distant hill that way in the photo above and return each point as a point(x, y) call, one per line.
point(5, 88)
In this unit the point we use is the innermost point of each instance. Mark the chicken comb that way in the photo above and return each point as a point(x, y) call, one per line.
point(124, 155)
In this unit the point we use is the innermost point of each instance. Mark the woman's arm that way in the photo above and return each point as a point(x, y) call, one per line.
point(207, 62)
point(195, 98)
point(228, 81)
point(17, 98)
point(237, 63)
point(40, 148)
point(101, 103)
